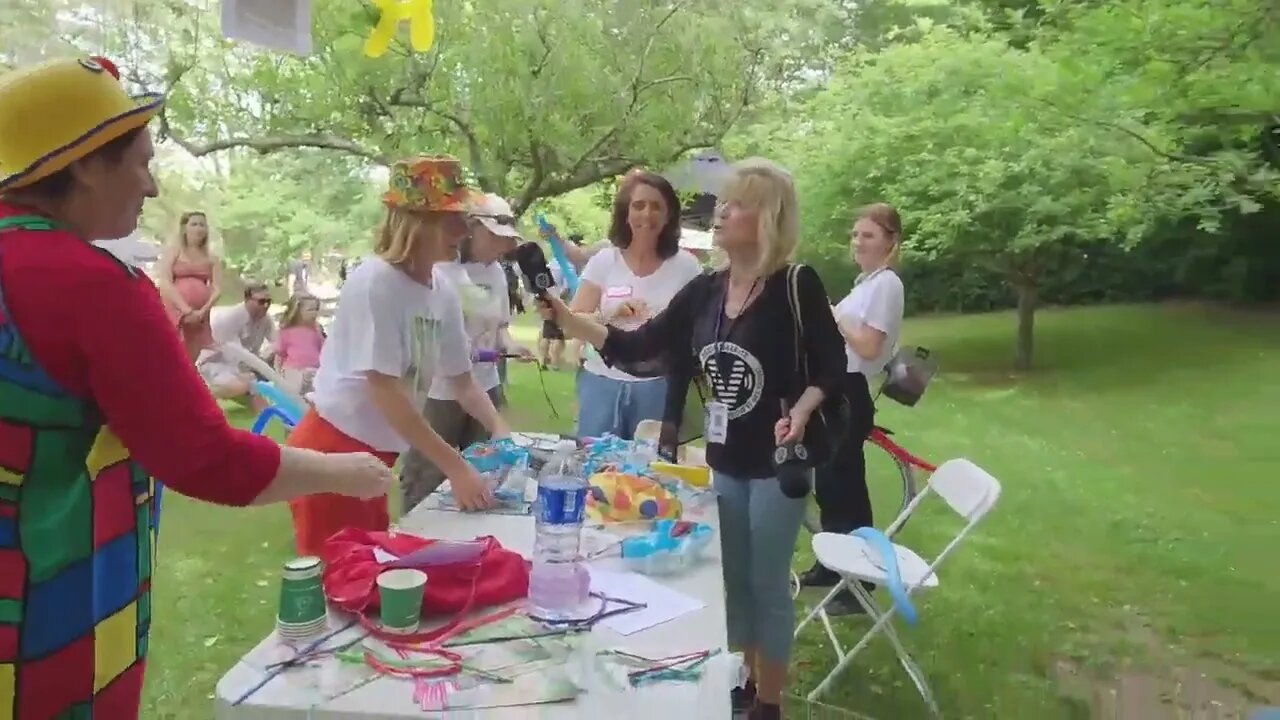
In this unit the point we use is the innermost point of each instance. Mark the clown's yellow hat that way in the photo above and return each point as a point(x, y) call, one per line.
point(58, 111)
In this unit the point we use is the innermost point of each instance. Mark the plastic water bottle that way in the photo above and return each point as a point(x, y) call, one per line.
point(559, 582)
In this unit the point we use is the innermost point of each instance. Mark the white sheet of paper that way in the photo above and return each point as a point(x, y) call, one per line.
point(276, 24)
point(664, 604)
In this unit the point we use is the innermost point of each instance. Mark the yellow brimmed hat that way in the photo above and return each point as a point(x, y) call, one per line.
point(60, 111)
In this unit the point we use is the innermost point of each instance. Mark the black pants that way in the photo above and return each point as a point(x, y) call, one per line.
point(844, 504)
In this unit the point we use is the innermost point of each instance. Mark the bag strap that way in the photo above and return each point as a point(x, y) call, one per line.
point(797, 321)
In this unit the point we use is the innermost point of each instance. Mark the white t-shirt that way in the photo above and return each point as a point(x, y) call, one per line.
point(388, 323)
point(877, 301)
point(234, 324)
point(482, 289)
point(617, 283)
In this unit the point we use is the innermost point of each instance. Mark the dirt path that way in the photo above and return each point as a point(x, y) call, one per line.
point(1169, 686)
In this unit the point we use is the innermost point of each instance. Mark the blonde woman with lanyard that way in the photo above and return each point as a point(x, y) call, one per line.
point(481, 283)
point(394, 328)
point(870, 319)
point(735, 325)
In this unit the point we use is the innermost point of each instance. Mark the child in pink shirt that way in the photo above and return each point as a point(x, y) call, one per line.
point(299, 341)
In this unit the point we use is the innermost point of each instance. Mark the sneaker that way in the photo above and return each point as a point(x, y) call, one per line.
point(743, 698)
point(819, 576)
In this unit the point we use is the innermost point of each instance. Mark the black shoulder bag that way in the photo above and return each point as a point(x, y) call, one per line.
point(829, 423)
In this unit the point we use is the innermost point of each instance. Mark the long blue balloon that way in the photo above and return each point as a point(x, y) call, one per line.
point(570, 274)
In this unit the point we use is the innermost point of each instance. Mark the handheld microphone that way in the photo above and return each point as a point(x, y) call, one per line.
point(533, 265)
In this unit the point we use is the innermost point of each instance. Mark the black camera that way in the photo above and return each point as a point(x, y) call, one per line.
point(533, 265)
point(791, 463)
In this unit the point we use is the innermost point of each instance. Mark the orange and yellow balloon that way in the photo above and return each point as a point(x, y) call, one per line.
point(422, 26)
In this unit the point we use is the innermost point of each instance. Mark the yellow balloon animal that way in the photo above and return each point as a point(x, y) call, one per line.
point(422, 26)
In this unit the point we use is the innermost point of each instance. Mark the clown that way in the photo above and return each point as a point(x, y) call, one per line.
point(97, 396)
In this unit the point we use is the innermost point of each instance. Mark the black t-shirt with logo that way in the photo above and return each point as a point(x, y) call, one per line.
point(749, 360)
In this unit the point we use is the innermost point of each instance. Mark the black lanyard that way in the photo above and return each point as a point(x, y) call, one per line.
point(721, 316)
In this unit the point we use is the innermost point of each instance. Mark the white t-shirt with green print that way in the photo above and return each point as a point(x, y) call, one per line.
point(388, 323)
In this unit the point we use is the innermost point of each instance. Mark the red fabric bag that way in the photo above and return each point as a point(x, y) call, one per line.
point(495, 575)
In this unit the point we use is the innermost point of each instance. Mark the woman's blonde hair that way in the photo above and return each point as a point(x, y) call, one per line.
point(293, 309)
point(401, 231)
point(769, 189)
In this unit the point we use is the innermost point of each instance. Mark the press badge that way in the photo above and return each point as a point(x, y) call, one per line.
point(717, 422)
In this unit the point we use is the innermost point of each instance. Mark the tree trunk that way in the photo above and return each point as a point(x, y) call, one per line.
point(1027, 299)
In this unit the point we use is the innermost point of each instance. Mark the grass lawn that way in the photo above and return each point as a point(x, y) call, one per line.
point(1131, 560)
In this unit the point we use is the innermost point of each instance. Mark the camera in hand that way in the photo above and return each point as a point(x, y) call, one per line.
point(791, 465)
point(533, 265)
point(790, 462)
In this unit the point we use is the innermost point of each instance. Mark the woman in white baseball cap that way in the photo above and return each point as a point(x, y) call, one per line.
point(481, 283)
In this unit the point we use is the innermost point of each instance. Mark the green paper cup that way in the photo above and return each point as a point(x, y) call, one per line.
point(400, 596)
point(302, 602)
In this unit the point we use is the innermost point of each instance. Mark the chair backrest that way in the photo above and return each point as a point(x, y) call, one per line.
point(967, 489)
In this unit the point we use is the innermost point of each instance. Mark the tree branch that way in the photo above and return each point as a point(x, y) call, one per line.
point(537, 175)
point(537, 68)
point(475, 151)
point(592, 165)
point(1108, 125)
point(263, 144)
point(266, 144)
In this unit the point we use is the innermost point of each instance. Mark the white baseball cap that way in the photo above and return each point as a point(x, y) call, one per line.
point(495, 214)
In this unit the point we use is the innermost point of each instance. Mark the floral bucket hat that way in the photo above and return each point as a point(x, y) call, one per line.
point(430, 184)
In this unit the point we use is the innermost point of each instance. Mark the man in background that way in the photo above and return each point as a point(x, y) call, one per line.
point(247, 326)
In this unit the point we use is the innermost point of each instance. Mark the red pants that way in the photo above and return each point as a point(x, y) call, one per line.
point(317, 517)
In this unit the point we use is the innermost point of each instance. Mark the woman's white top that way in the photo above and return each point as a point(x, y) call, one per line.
point(876, 300)
point(608, 270)
point(389, 323)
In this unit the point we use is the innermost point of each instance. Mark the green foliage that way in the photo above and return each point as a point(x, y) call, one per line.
point(1009, 160)
point(539, 99)
point(574, 212)
point(277, 207)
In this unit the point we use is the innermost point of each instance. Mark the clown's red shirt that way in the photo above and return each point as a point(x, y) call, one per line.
point(101, 334)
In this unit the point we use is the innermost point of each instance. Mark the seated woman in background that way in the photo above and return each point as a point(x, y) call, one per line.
point(623, 287)
point(870, 319)
point(735, 326)
point(394, 329)
point(298, 343)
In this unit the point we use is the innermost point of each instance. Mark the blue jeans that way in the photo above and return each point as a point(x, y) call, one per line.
point(606, 405)
point(758, 529)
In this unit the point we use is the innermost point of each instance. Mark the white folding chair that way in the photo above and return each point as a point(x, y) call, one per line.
point(969, 491)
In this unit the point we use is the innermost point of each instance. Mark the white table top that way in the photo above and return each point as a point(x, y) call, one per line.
point(291, 694)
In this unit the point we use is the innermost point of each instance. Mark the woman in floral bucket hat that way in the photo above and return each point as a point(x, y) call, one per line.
point(97, 397)
point(394, 330)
